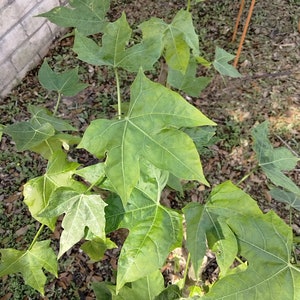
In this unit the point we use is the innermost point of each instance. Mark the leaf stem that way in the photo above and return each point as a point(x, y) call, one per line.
point(57, 103)
point(188, 5)
point(118, 93)
point(247, 175)
point(36, 237)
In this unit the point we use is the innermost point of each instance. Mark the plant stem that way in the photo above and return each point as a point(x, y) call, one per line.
point(247, 175)
point(118, 93)
point(188, 7)
point(57, 103)
point(36, 237)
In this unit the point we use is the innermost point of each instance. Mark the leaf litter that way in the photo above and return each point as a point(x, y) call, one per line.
point(268, 90)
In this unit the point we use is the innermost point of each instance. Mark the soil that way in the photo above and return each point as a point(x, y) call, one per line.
point(268, 90)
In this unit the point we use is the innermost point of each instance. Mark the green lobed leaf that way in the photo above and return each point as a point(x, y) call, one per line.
point(40, 115)
point(266, 242)
point(274, 161)
point(178, 38)
point(114, 51)
point(30, 264)
point(81, 211)
point(203, 225)
point(88, 16)
point(66, 83)
point(154, 230)
point(37, 191)
point(188, 82)
point(221, 63)
point(150, 131)
point(28, 135)
point(289, 198)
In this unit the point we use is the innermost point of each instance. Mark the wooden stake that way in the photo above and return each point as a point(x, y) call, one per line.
point(244, 33)
point(242, 4)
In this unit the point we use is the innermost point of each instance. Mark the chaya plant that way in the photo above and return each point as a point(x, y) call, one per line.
point(140, 152)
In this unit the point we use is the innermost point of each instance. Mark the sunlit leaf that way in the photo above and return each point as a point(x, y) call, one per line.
point(178, 38)
point(88, 16)
point(30, 264)
point(266, 242)
point(150, 130)
point(66, 83)
point(37, 191)
point(221, 63)
point(154, 230)
point(80, 210)
point(274, 161)
point(203, 226)
point(56, 143)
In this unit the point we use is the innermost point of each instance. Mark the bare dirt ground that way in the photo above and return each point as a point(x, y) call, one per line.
point(268, 90)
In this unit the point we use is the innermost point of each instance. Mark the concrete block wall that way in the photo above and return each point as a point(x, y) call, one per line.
point(24, 38)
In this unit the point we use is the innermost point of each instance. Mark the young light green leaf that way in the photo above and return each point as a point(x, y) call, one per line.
point(178, 38)
point(96, 247)
point(221, 63)
point(30, 264)
point(264, 240)
point(66, 83)
point(81, 211)
point(28, 135)
point(289, 198)
point(88, 16)
point(203, 226)
point(154, 230)
point(40, 115)
point(150, 130)
point(274, 161)
point(92, 174)
point(37, 191)
point(56, 143)
point(188, 82)
point(114, 51)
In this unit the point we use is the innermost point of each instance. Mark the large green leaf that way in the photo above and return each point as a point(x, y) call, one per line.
point(37, 191)
point(188, 82)
point(266, 242)
point(66, 83)
point(203, 225)
point(28, 135)
point(274, 161)
point(178, 38)
point(150, 130)
point(81, 211)
point(30, 264)
point(114, 51)
point(154, 230)
point(221, 63)
point(88, 16)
